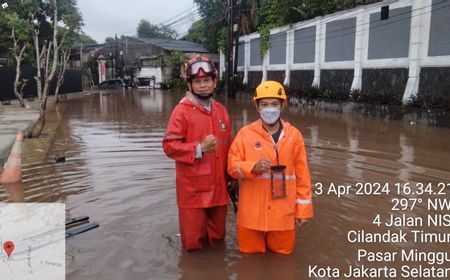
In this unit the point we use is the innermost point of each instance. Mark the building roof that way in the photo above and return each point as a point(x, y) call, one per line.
point(175, 45)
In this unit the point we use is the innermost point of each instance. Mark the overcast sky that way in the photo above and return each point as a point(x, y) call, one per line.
point(104, 18)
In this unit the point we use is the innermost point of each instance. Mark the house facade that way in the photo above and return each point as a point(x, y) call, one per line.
point(141, 60)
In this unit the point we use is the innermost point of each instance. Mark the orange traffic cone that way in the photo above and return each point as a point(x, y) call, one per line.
point(12, 171)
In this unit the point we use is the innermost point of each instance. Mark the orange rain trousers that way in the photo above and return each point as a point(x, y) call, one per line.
point(256, 241)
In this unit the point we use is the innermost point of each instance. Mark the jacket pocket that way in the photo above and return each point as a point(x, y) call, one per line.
point(199, 169)
point(199, 177)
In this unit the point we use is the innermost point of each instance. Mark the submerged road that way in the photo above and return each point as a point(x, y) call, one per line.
point(117, 173)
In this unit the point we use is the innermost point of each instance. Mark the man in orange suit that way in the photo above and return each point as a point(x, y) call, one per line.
point(268, 157)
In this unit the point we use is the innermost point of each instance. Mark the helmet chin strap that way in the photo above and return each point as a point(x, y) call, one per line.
point(202, 97)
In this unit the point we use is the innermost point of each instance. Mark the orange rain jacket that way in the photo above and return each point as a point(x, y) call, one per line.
point(257, 209)
point(200, 183)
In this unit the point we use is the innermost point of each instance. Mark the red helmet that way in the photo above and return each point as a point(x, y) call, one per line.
point(199, 66)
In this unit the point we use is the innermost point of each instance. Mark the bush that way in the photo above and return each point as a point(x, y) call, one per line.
point(178, 84)
point(355, 95)
point(430, 100)
point(381, 97)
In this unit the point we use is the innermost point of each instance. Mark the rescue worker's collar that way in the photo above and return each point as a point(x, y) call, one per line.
point(280, 120)
point(192, 100)
point(258, 126)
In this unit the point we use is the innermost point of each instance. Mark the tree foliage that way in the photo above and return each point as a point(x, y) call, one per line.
point(175, 62)
point(196, 32)
point(147, 30)
point(109, 40)
point(213, 13)
point(86, 39)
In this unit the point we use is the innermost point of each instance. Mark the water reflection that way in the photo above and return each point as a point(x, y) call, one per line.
point(355, 161)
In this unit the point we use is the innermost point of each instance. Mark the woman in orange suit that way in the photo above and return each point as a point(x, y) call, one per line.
point(268, 157)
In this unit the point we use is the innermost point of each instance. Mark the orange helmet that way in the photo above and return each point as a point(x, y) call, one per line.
point(199, 66)
point(270, 89)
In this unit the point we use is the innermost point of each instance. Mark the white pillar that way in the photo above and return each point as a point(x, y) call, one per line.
point(320, 50)
point(247, 58)
point(101, 70)
point(361, 26)
point(265, 64)
point(222, 65)
point(289, 56)
point(418, 37)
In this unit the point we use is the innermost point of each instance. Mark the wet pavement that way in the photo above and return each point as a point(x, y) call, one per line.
point(117, 173)
point(14, 118)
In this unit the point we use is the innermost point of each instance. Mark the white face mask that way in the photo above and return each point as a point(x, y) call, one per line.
point(270, 115)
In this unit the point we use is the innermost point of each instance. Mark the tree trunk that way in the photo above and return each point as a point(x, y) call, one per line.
point(45, 56)
point(18, 58)
point(18, 93)
point(37, 129)
point(60, 74)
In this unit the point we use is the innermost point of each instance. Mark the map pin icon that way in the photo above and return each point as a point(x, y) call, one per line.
point(9, 247)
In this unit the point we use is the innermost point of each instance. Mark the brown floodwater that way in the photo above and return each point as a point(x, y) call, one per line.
point(117, 173)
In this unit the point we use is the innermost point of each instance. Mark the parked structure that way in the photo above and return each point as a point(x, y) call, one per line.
point(357, 50)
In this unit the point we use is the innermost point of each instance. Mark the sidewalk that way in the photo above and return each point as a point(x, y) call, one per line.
point(14, 118)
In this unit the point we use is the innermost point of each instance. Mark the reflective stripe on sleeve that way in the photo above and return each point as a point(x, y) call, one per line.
point(303, 201)
point(277, 176)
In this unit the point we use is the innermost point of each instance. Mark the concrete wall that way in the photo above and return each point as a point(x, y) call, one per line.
point(358, 44)
point(440, 28)
point(390, 38)
point(340, 40)
point(278, 48)
point(304, 45)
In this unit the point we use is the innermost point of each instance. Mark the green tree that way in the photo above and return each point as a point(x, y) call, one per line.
point(15, 40)
point(86, 39)
point(147, 30)
point(196, 32)
point(175, 62)
point(109, 40)
point(48, 52)
point(213, 13)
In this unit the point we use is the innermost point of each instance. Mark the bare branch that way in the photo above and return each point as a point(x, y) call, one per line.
point(47, 57)
point(63, 39)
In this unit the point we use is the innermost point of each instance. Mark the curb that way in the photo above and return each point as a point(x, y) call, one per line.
point(14, 118)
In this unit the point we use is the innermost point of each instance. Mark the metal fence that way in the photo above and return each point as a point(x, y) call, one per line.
point(72, 82)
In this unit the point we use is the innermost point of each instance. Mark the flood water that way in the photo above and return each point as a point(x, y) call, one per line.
point(117, 173)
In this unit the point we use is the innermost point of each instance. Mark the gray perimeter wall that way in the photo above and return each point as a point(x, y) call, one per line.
point(278, 48)
point(390, 38)
point(241, 54)
point(255, 57)
point(440, 28)
point(340, 40)
point(305, 45)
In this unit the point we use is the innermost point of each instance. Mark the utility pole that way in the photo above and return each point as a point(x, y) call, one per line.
point(117, 60)
point(228, 52)
point(237, 32)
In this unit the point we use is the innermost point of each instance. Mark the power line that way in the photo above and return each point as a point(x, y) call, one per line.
point(184, 11)
point(176, 22)
point(323, 36)
point(182, 16)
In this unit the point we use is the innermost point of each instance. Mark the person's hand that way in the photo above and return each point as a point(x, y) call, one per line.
point(301, 222)
point(209, 144)
point(263, 165)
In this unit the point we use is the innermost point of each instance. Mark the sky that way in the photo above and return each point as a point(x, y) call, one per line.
point(105, 18)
